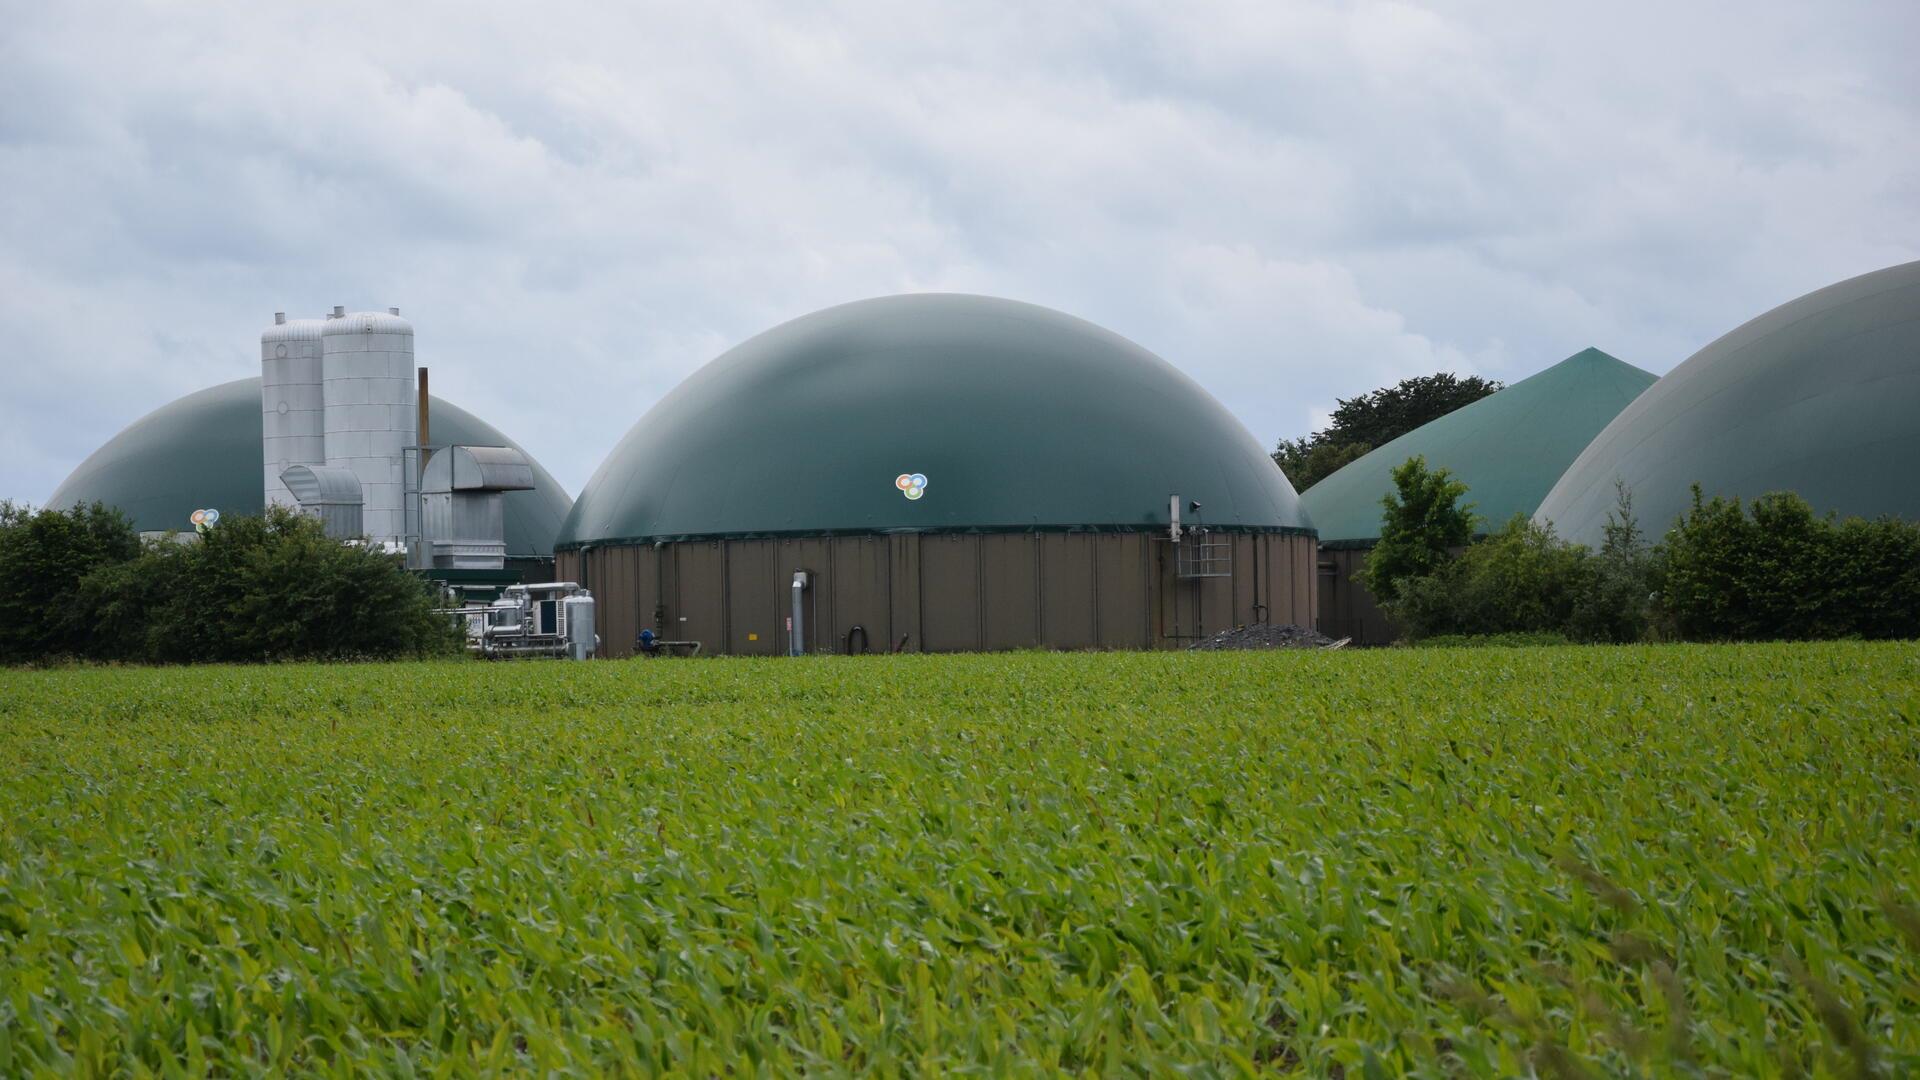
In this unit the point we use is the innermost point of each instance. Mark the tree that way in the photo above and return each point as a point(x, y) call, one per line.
point(1617, 603)
point(1309, 460)
point(264, 588)
point(44, 555)
point(1423, 523)
point(1374, 419)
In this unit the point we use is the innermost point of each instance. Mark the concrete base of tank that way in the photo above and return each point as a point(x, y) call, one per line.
point(942, 592)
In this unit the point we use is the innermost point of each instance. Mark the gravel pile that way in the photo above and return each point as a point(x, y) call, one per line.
point(1263, 636)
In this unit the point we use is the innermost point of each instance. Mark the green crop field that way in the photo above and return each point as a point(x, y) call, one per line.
point(1576, 861)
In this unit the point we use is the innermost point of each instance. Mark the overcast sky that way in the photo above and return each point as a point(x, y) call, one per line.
point(577, 205)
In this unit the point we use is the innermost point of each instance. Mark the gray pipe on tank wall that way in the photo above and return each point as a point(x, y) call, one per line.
point(419, 554)
point(796, 640)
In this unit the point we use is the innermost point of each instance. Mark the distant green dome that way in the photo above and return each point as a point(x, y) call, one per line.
point(1508, 448)
point(204, 451)
point(1819, 396)
point(1016, 417)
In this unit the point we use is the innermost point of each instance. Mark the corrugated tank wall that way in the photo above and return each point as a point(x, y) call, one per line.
point(1347, 608)
point(941, 592)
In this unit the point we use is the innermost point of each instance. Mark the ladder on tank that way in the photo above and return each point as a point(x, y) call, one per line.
point(1197, 554)
point(1200, 555)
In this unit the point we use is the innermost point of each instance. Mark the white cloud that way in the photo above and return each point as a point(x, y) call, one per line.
point(1290, 201)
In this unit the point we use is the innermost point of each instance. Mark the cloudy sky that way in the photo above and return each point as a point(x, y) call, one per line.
point(579, 204)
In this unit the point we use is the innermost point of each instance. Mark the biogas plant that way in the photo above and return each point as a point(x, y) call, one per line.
point(340, 426)
point(948, 473)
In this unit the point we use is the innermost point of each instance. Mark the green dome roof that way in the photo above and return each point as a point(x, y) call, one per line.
point(1508, 448)
point(1820, 396)
point(204, 451)
point(1017, 417)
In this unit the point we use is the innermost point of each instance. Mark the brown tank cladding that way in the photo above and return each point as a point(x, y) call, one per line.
point(959, 592)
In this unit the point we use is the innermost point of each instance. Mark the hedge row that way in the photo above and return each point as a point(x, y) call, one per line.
point(1726, 571)
point(80, 584)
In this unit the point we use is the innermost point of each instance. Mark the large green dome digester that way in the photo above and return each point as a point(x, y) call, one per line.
point(204, 451)
point(1819, 396)
point(1014, 417)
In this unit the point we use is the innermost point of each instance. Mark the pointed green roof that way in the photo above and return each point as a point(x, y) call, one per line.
point(1508, 448)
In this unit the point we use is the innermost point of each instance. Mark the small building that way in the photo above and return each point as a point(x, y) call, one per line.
point(1820, 396)
point(941, 473)
point(1508, 448)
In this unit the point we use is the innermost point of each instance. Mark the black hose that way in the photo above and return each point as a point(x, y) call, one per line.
point(901, 645)
point(862, 631)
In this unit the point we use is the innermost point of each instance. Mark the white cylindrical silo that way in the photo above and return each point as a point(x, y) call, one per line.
point(291, 403)
point(369, 416)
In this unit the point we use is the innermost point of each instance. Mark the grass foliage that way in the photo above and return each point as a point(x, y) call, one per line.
point(1598, 861)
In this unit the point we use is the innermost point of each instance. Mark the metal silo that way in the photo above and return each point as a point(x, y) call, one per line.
point(369, 414)
point(291, 402)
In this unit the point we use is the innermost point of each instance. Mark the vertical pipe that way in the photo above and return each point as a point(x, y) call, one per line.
point(796, 644)
point(417, 499)
point(726, 596)
point(1094, 541)
point(979, 593)
point(422, 412)
point(1258, 550)
point(1039, 590)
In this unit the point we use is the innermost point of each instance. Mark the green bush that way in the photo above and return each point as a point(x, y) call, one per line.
point(1424, 522)
point(1773, 570)
point(1520, 580)
point(1876, 573)
point(44, 555)
point(264, 588)
point(1776, 570)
